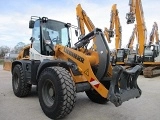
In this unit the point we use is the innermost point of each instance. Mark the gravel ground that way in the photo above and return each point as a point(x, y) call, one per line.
point(147, 107)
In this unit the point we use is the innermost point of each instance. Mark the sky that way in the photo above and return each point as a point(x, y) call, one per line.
point(15, 16)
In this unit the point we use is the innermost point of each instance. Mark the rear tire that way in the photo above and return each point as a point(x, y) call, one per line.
point(57, 92)
point(20, 86)
point(94, 96)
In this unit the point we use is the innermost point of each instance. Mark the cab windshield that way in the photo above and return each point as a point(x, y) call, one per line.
point(56, 31)
point(120, 53)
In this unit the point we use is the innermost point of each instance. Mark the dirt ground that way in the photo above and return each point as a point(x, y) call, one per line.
point(147, 107)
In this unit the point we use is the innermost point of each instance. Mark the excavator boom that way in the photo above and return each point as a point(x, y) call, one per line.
point(115, 28)
point(83, 20)
point(136, 12)
point(114, 24)
point(154, 35)
point(131, 40)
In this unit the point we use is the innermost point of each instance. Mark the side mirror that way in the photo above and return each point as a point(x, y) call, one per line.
point(31, 24)
point(68, 25)
point(76, 32)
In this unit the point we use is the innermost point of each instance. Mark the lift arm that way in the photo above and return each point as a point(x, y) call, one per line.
point(114, 24)
point(136, 12)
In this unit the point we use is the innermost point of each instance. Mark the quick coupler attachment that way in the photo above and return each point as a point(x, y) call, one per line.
point(123, 86)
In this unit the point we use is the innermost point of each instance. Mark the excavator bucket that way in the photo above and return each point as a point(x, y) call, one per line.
point(7, 65)
point(124, 84)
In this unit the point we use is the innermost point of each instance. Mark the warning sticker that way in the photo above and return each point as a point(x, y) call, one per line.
point(94, 82)
point(86, 72)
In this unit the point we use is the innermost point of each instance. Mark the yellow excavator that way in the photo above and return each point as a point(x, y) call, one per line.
point(116, 57)
point(136, 12)
point(151, 58)
point(60, 70)
point(114, 24)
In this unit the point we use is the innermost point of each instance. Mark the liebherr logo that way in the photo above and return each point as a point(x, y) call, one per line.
point(74, 55)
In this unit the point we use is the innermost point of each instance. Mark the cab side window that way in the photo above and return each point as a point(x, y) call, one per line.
point(36, 37)
point(64, 36)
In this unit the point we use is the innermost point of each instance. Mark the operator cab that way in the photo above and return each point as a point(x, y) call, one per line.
point(122, 54)
point(150, 53)
point(45, 34)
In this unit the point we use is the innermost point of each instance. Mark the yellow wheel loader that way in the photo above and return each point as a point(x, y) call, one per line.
point(60, 70)
point(7, 64)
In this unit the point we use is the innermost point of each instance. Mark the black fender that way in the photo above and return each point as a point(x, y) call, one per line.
point(49, 63)
point(26, 66)
point(21, 62)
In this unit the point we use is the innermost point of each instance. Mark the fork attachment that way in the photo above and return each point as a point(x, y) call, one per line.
point(123, 86)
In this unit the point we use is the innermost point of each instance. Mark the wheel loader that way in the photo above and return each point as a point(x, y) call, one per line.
point(61, 70)
point(7, 64)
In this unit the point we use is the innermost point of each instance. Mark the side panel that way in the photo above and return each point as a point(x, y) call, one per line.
point(34, 67)
point(37, 56)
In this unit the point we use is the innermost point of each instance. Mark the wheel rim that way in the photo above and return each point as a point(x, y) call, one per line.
point(15, 81)
point(48, 93)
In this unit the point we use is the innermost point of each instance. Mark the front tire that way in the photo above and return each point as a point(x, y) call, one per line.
point(57, 92)
point(20, 86)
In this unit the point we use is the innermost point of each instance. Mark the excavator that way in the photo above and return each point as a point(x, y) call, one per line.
point(61, 70)
point(114, 23)
point(116, 57)
point(148, 53)
point(151, 58)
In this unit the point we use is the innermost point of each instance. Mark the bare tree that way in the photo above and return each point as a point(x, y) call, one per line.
point(19, 47)
point(4, 50)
